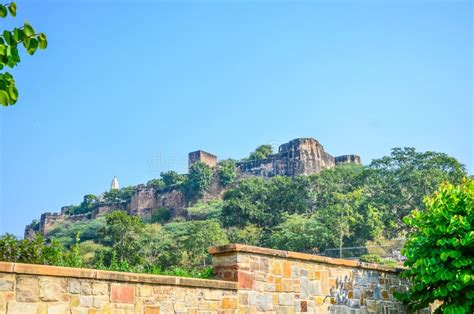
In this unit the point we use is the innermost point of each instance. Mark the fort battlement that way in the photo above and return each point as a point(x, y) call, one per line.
point(301, 156)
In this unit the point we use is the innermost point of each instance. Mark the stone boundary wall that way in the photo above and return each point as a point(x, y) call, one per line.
point(283, 282)
point(39, 289)
point(256, 280)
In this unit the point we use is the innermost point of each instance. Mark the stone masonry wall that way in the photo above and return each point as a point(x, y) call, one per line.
point(256, 280)
point(282, 282)
point(38, 289)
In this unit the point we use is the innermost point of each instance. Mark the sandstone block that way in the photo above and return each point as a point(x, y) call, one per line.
point(229, 303)
point(6, 285)
point(21, 308)
point(243, 298)
point(122, 293)
point(50, 289)
point(27, 289)
point(58, 309)
point(264, 302)
point(285, 299)
point(74, 286)
point(86, 300)
point(152, 310)
point(74, 301)
point(86, 288)
point(100, 288)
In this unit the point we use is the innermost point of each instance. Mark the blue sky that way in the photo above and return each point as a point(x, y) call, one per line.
point(129, 88)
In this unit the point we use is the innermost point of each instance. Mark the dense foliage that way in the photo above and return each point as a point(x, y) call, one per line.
point(349, 205)
point(440, 250)
point(261, 152)
point(85, 207)
point(119, 196)
point(227, 172)
point(10, 41)
point(198, 180)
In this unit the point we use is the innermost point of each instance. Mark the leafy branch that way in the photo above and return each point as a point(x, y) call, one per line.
point(9, 54)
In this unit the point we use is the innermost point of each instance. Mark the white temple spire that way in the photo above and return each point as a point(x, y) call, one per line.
point(114, 185)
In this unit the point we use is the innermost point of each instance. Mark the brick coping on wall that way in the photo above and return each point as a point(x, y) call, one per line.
point(58, 271)
point(232, 248)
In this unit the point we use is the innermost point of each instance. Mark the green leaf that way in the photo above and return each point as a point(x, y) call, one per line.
point(13, 93)
point(43, 43)
point(12, 8)
point(33, 46)
point(29, 31)
point(3, 98)
point(8, 37)
point(18, 34)
point(3, 11)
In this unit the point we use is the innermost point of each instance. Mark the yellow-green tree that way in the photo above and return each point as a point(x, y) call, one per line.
point(440, 250)
point(10, 42)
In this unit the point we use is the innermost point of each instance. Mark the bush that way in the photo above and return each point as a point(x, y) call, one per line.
point(261, 152)
point(209, 210)
point(227, 171)
point(371, 258)
point(440, 250)
point(119, 196)
point(160, 215)
point(172, 178)
point(156, 183)
point(199, 179)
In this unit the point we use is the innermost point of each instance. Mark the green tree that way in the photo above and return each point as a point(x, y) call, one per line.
point(122, 233)
point(199, 179)
point(398, 183)
point(227, 171)
point(156, 183)
point(172, 178)
point(160, 215)
point(299, 233)
point(440, 250)
point(193, 238)
point(250, 235)
point(119, 196)
point(262, 202)
point(261, 152)
point(66, 232)
point(10, 41)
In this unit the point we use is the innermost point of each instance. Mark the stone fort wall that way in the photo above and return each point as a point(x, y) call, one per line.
point(250, 280)
point(301, 156)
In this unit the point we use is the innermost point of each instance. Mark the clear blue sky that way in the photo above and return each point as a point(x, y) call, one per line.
point(129, 88)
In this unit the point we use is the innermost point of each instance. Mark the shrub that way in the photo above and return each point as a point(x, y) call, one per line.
point(160, 215)
point(440, 250)
point(199, 179)
point(371, 258)
point(227, 171)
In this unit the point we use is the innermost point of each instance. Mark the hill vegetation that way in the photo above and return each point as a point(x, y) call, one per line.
point(349, 205)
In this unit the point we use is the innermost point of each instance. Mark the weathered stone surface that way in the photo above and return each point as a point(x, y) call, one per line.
point(6, 285)
point(58, 309)
point(264, 302)
point(27, 289)
point(100, 288)
point(122, 293)
point(50, 289)
point(285, 299)
point(21, 308)
point(74, 286)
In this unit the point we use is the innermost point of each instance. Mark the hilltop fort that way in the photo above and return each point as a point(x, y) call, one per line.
point(301, 156)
